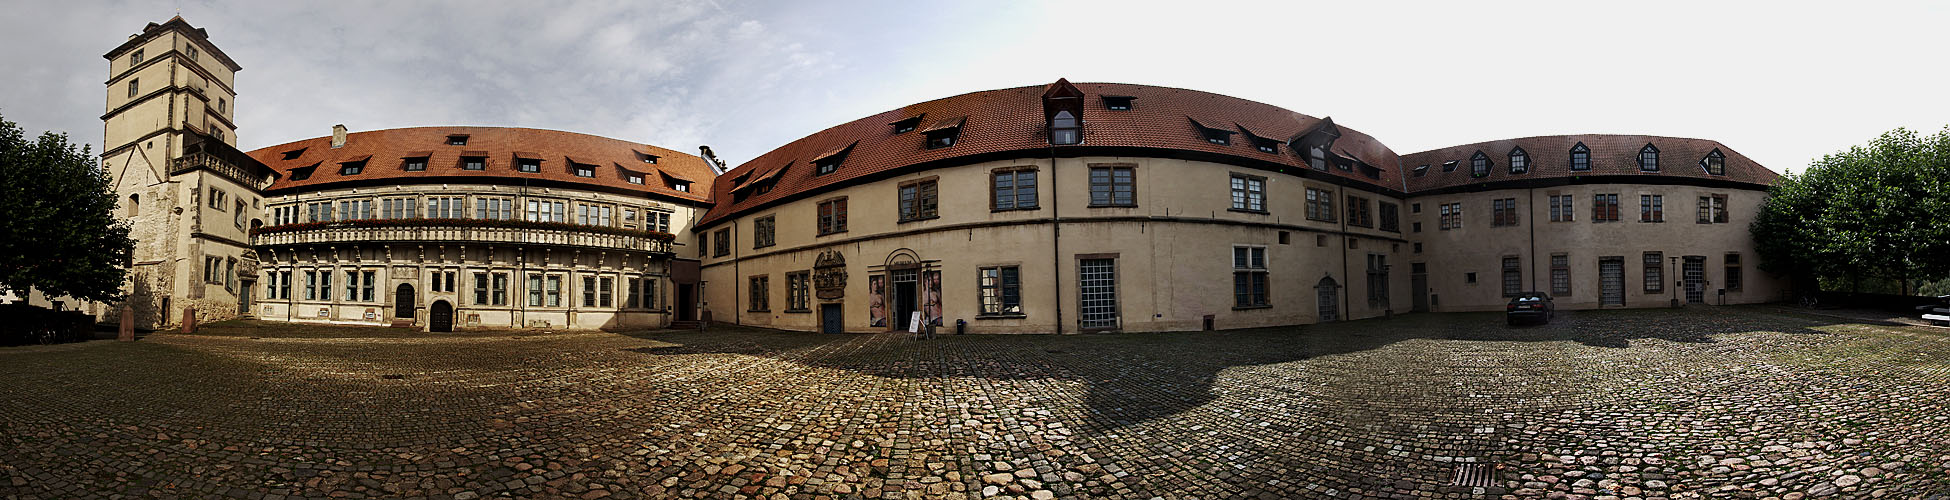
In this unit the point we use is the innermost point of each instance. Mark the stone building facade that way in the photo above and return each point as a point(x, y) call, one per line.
point(1056, 208)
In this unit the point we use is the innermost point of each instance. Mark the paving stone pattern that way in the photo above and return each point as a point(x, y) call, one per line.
point(1745, 402)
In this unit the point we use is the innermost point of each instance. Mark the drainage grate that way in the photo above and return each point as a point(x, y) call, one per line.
point(1474, 475)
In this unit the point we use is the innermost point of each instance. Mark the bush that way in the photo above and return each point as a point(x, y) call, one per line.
point(22, 324)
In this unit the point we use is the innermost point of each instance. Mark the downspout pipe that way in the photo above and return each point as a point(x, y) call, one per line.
point(1056, 240)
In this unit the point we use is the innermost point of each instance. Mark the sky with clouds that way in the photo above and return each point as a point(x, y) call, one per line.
point(1782, 82)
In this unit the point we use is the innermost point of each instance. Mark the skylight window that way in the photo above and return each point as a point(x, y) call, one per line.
point(457, 140)
point(1118, 102)
point(1419, 171)
point(1449, 166)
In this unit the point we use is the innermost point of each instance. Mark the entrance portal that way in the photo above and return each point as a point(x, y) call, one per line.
point(403, 302)
point(1695, 274)
point(440, 317)
point(1418, 281)
point(904, 295)
point(830, 320)
point(686, 309)
point(1328, 299)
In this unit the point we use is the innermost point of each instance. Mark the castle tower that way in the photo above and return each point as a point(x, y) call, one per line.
point(191, 196)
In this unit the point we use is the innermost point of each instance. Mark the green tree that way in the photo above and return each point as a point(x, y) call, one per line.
point(60, 234)
point(1877, 211)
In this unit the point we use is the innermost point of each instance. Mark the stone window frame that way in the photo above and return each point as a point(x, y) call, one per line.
point(1320, 204)
point(1015, 175)
point(1253, 275)
point(765, 231)
point(1503, 213)
point(1604, 207)
point(798, 292)
point(1247, 190)
point(721, 246)
point(830, 215)
point(999, 290)
point(926, 203)
point(1111, 185)
point(1654, 272)
point(759, 298)
point(1652, 208)
point(1512, 275)
point(1358, 214)
point(1561, 274)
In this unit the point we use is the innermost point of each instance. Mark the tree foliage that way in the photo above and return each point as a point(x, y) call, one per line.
point(1880, 210)
point(60, 234)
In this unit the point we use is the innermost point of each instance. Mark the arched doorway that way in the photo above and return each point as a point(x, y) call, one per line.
point(1329, 299)
point(403, 301)
point(440, 317)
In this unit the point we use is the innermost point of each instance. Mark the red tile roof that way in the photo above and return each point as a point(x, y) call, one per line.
point(1611, 155)
point(500, 145)
point(1011, 120)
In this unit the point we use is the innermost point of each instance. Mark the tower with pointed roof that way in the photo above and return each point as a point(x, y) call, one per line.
point(169, 147)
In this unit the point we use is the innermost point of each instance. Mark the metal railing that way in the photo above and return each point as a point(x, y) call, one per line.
point(464, 234)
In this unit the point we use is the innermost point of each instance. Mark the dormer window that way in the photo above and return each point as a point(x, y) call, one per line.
point(944, 133)
point(1479, 165)
point(1213, 135)
point(1648, 158)
point(1265, 145)
point(1714, 163)
point(646, 157)
point(1063, 129)
point(457, 140)
point(1317, 157)
point(1118, 102)
point(415, 164)
point(473, 163)
point(583, 169)
point(633, 178)
point(907, 124)
point(302, 173)
point(1519, 161)
point(830, 161)
point(674, 183)
point(1345, 164)
point(294, 154)
point(1419, 171)
point(353, 166)
point(529, 165)
point(1580, 158)
point(1449, 166)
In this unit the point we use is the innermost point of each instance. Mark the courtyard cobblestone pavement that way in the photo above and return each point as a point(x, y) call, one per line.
point(1705, 403)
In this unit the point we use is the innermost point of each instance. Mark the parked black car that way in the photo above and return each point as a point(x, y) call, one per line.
point(1532, 306)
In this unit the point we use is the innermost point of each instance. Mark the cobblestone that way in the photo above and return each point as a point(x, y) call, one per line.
point(1745, 402)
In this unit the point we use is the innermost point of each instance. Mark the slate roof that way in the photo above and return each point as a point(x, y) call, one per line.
point(388, 149)
point(1611, 155)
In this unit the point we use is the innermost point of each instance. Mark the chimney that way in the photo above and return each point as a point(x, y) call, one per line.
point(338, 136)
point(717, 165)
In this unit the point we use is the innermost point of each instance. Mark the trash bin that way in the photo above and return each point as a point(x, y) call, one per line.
point(961, 327)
